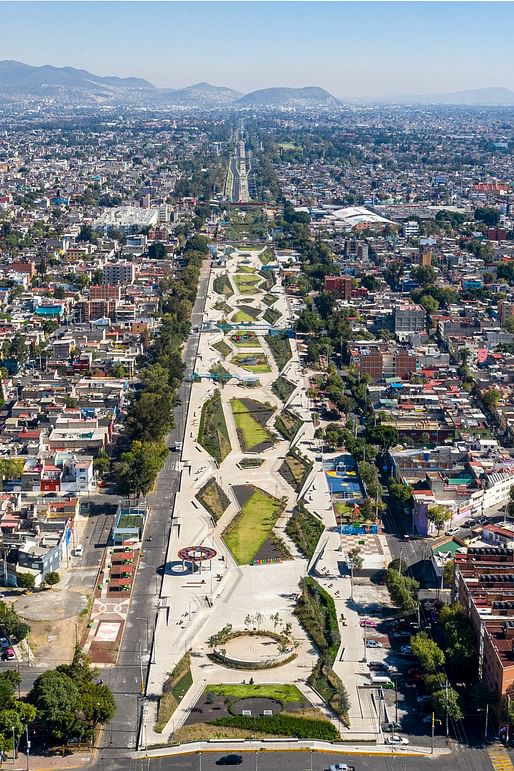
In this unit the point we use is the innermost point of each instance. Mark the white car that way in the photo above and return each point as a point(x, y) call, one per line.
point(395, 739)
point(373, 644)
point(78, 551)
point(341, 767)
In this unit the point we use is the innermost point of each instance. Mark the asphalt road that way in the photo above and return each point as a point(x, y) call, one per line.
point(461, 760)
point(125, 679)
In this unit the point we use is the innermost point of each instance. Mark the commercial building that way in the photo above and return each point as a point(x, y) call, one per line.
point(409, 318)
point(340, 285)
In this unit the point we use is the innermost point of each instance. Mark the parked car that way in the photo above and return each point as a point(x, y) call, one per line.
point(390, 727)
point(374, 644)
point(402, 633)
point(396, 739)
point(4, 643)
point(452, 531)
point(230, 760)
point(424, 697)
point(9, 653)
point(406, 650)
point(482, 520)
point(78, 551)
point(368, 622)
point(341, 767)
point(379, 666)
point(427, 719)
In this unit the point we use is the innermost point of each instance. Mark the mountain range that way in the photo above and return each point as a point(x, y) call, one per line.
point(22, 84)
point(66, 85)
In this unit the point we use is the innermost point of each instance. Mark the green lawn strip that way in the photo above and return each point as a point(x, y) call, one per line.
point(316, 612)
point(304, 529)
point(251, 432)
point(288, 424)
point(280, 348)
point(269, 299)
point(223, 348)
point(295, 469)
point(173, 691)
point(246, 269)
point(281, 692)
point(213, 432)
point(212, 497)
point(222, 285)
point(331, 688)
point(241, 317)
point(250, 529)
point(271, 316)
point(247, 284)
point(269, 278)
point(284, 724)
point(252, 362)
point(282, 388)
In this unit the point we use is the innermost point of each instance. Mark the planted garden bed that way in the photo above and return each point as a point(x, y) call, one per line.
point(213, 432)
point(212, 497)
point(288, 424)
point(250, 417)
point(251, 528)
point(295, 469)
point(305, 530)
point(280, 348)
point(282, 388)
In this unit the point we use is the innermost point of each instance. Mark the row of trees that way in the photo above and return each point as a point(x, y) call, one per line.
point(150, 415)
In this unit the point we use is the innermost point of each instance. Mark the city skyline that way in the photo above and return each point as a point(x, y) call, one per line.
point(351, 49)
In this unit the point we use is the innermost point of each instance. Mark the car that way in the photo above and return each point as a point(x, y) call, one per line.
point(406, 537)
point(423, 698)
point(341, 767)
point(428, 719)
point(368, 622)
point(9, 653)
point(402, 633)
point(452, 531)
point(4, 643)
point(469, 523)
point(390, 727)
point(482, 520)
point(379, 666)
point(406, 650)
point(78, 551)
point(230, 760)
point(396, 739)
point(374, 644)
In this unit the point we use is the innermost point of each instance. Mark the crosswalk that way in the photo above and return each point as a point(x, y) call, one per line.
point(500, 759)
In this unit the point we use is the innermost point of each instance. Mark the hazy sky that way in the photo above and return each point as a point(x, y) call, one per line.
point(352, 49)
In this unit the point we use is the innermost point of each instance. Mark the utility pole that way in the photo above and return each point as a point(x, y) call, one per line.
point(446, 697)
point(13, 745)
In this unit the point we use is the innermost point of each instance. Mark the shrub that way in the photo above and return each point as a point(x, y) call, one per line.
point(283, 725)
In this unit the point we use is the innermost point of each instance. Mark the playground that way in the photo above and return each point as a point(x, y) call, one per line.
point(342, 478)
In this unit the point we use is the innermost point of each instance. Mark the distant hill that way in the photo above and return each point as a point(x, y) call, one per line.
point(485, 97)
point(201, 95)
point(310, 96)
point(65, 83)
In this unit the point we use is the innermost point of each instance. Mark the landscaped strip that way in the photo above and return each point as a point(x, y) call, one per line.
point(295, 469)
point(173, 691)
point(250, 418)
point(222, 348)
point(280, 692)
point(288, 424)
point(222, 285)
point(212, 497)
point(253, 362)
point(246, 283)
point(280, 348)
point(284, 725)
point(213, 433)
point(305, 530)
point(271, 316)
point(316, 612)
point(282, 388)
point(252, 527)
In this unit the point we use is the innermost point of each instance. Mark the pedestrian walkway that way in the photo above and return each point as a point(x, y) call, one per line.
point(500, 758)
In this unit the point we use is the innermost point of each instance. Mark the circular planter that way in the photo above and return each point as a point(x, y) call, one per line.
point(251, 650)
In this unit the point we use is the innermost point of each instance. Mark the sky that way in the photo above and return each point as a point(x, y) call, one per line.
point(351, 49)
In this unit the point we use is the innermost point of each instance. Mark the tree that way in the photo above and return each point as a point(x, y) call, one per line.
point(52, 578)
point(56, 697)
point(488, 215)
point(26, 580)
point(137, 468)
point(438, 515)
point(424, 275)
point(429, 303)
point(447, 700)
point(429, 654)
point(101, 463)
point(401, 493)
point(491, 398)
point(355, 556)
point(156, 251)
point(402, 589)
point(460, 642)
point(448, 572)
point(509, 324)
point(384, 435)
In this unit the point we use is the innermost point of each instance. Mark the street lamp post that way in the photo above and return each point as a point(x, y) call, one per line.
point(486, 726)
point(141, 679)
point(13, 745)
point(27, 742)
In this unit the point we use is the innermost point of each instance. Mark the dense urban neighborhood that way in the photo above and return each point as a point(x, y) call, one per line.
point(257, 433)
